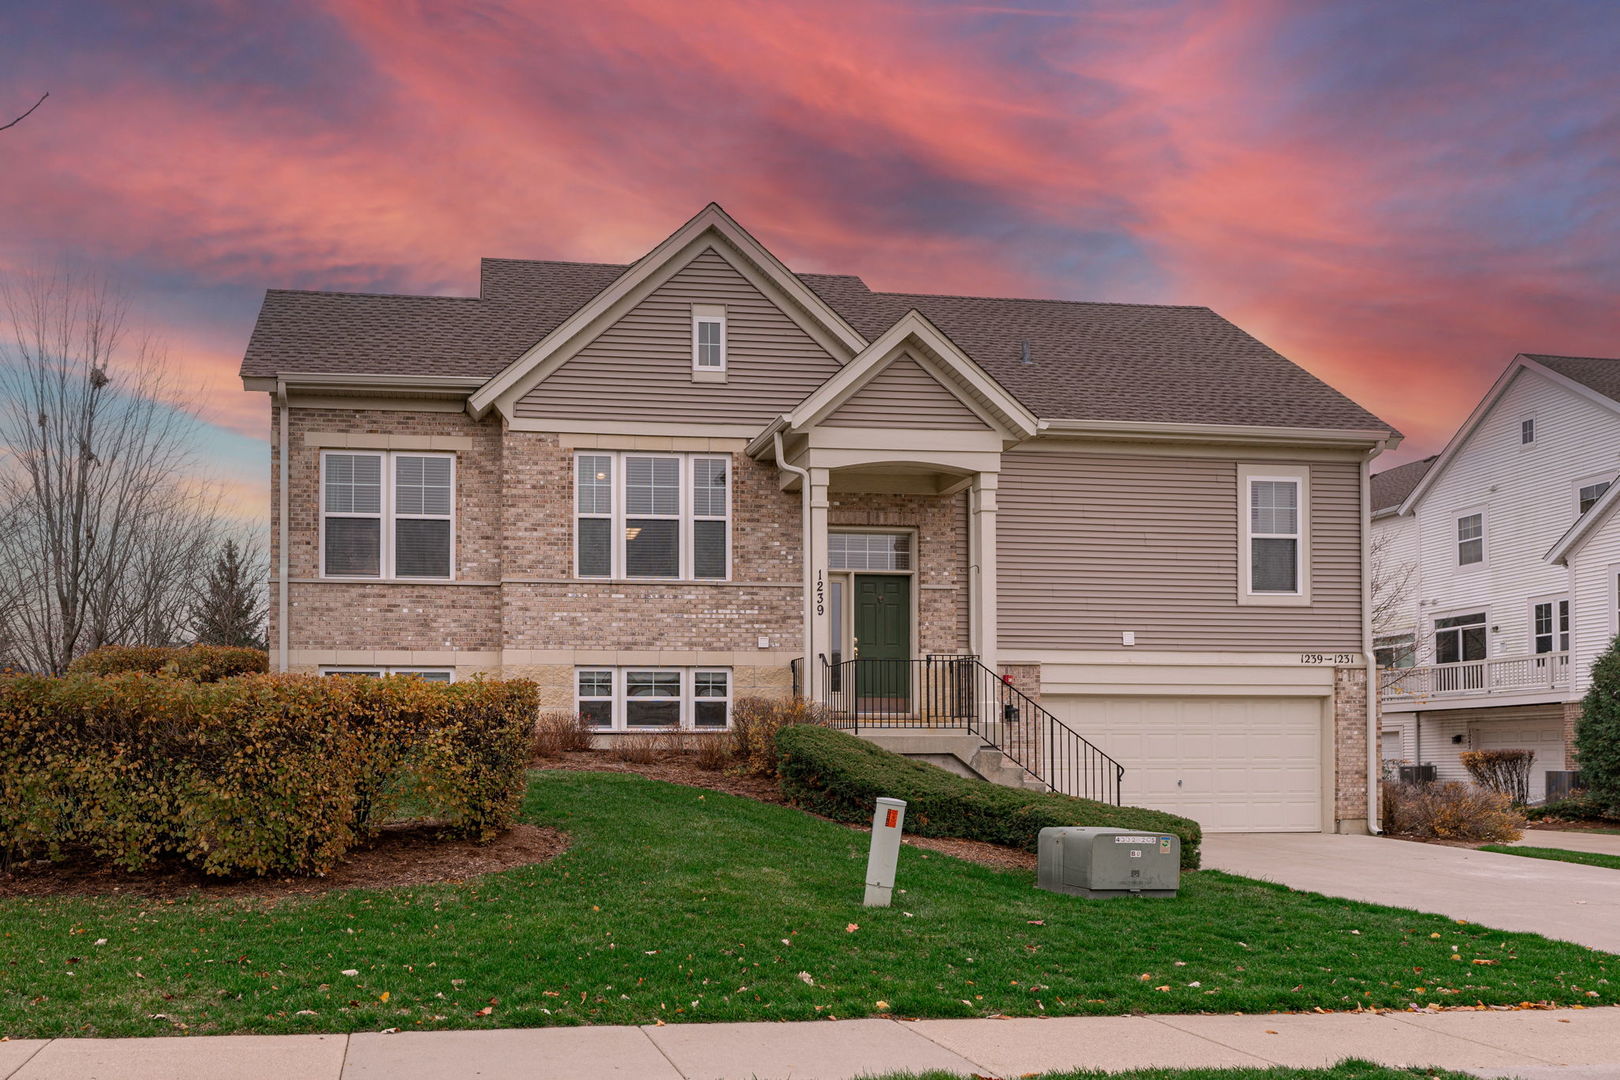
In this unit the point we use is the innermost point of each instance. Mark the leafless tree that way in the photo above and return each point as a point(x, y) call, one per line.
point(106, 524)
point(1393, 582)
point(31, 108)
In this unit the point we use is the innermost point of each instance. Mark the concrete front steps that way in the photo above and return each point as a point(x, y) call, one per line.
point(956, 750)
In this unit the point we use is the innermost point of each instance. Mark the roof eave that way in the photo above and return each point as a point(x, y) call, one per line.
point(1358, 438)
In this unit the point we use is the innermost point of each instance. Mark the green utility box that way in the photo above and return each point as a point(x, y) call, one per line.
point(1101, 863)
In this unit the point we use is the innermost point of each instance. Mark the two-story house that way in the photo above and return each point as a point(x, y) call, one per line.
point(658, 487)
point(1497, 564)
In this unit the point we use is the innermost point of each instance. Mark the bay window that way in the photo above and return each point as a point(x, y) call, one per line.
point(387, 514)
point(654, 516)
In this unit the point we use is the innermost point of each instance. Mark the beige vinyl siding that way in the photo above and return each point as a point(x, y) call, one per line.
point(1091, 545)
point(640, 368)
point(905, 395)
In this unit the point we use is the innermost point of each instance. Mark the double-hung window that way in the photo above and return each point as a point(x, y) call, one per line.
point(1549, 629)
point(1275, 535)
point(387, 514)
point(632, 698)
point(654, 516)
point(1470, 539)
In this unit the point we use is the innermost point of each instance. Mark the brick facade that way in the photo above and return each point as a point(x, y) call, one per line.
point(516, 607)
point(1350, 748)
point(1572, 717)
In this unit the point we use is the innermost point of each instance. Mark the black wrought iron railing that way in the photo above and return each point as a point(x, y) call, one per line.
point(960, 691)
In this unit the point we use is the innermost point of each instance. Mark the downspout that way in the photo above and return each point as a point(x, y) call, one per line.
point(1368, 649)
point(281, 546)
point(803, 474)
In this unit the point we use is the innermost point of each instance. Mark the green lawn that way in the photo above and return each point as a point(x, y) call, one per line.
point(676, 904)
point(1586, 858)
point(1345, 1070)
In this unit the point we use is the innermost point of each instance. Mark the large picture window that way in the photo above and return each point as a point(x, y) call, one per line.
point(637, 698)
point(654, 516)
point(387, 514)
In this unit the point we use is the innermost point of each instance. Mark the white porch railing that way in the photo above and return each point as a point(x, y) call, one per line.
point(1475, 678)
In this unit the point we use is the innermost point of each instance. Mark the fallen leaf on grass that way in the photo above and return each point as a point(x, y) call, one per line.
point(351, 972)
point(851, 928)
point(485, 1011)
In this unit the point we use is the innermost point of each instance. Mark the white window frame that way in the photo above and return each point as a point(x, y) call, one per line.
point(1457, 541)
point(711, 315)
point(686, 516)
point(1607, 479)
point(687, 698)
point(1528, 425)
point(1456, 613)
point(1248, 476)
point(386, 514)
point(1614, 604)
point(1561, 623)
point(378, 670)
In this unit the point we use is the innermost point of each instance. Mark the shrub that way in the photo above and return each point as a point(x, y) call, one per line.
point(1504, 771)
point(755, 722)
point(1597, 732)
point(197, 663)
point(645, 747)
point(254, 775)
point(838, 775)
point(712, 752)
point(1450, 811)
point(556, 733)
point(1578, 806)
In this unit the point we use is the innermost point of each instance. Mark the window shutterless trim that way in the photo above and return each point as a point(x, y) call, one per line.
point(1458, 540)
point(379, 670)
point(708, 315)
point(687, 699)
point(1558, 623)
point(1247, 477)
point(385, 515)
point(686, 517)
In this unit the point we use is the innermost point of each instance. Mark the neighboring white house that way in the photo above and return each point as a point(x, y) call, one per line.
point(1500, 559)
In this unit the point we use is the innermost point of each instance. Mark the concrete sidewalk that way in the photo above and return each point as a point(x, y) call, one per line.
point(1507, 892)
point(1573, 1044)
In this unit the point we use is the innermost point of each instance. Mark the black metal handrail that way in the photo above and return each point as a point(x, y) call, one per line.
point(960, 691)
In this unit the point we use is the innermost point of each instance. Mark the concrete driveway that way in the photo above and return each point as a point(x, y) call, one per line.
point(1508, 892)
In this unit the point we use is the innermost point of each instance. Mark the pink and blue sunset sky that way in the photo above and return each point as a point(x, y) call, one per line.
point(1398, 196)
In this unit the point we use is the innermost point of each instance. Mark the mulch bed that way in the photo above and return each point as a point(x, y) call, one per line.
point(677, 770)
point(402, 855)
point(1556, 825)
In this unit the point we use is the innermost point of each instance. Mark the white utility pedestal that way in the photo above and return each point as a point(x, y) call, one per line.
point(887, 822)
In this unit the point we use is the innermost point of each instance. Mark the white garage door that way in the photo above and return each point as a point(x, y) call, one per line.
point(1233, 764)
point(1544, 735)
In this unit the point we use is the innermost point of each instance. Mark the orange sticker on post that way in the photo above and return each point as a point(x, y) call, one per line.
point(892, 819)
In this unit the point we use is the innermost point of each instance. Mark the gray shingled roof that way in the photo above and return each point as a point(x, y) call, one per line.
point(1088, 361)
point(1596, 372)
point(1391, 487)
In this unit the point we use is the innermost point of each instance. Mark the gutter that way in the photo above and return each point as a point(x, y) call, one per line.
point(804, 527)
point(1382, 438)
point(1368, 652)
point(281, 547)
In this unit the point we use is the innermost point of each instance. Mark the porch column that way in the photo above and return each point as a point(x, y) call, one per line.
point(820, 643)
point(982, 548)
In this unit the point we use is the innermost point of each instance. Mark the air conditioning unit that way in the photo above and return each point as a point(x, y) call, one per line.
point(1417, 774)
point(1102, 863)
point(1562, 783)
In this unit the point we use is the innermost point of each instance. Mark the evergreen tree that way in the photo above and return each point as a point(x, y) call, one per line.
point(1597, 733)
point(230, 607)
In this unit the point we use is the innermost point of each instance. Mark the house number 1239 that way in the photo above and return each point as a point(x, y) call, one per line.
point(821, 594)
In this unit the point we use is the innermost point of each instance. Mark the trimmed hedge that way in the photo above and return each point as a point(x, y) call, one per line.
point(835, 774)
point(259, 774)
point(198, 663)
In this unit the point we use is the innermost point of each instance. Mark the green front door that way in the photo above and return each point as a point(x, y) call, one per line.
point(883, 635)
